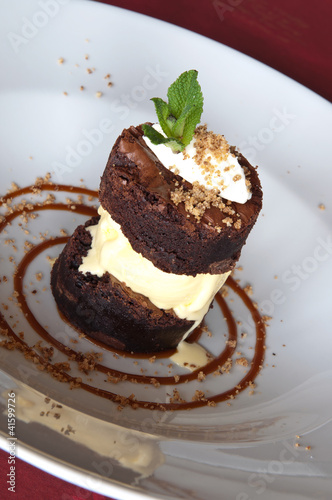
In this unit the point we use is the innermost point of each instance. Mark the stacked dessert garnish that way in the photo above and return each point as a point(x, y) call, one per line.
point(177, 204)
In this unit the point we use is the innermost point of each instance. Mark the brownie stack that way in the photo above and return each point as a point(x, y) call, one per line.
point(136, 190)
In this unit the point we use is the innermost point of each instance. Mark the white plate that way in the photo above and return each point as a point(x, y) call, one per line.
point(245, 450)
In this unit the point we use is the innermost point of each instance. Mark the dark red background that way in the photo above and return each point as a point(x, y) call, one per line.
point(293, 37)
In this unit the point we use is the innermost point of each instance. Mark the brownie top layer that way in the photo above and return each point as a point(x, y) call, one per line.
point(138, 192)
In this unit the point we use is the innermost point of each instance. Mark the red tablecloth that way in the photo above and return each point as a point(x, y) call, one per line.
point(292, 37)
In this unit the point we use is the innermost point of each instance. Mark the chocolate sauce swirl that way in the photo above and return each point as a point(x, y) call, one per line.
point(212, 366)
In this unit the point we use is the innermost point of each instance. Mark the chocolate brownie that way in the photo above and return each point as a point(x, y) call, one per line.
point(105, 309)
point(139, 193)
point(136, 189)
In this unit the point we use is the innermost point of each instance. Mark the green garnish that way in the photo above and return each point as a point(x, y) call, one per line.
point(179, 117)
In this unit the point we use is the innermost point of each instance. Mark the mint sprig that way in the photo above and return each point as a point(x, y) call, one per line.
point(179, 117)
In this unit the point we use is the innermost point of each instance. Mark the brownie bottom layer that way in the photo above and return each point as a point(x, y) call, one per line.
point(105, 309)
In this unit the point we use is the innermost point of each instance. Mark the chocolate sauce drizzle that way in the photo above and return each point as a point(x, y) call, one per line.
point(212, 366)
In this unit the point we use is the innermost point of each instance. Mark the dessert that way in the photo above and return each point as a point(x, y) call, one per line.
point(177, 205)
point(41, 355)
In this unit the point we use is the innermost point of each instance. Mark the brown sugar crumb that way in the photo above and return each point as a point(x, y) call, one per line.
point(242, 361)
point(99, 94)
point(152, 359)
point(81, 88)
point(87, 362)
point(201, 376)
point(231, 343)
point(197, 200)
point(62, 366)
point(154, 382)
point(266, 319)
point(9, 242)
point(47, 178)
point(28, 246)
point(39, 276)
point(199, 396)
point(10, 345)
point(61, 60)
point(226, 368)
point(238, 224)
point(123, 400)
point(76, 383)
point(228, 221)
point(176, 397)
point(14, 187)
point(112, 379)
point(248, 289)
point(49, 199)
point(206, 330)
point(47, 352)
point(321, 206)
point(209, 145)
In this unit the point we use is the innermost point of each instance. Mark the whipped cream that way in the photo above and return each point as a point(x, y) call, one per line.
point(211, 170)
point(189, 296)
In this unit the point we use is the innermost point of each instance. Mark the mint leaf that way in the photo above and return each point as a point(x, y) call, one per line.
point(179, 125)
point(179, 117)
point(175, 144)
point(154, 136)
point(163, 113)
point(184, 91)
point(157, 138)
point(185, 98)
point(192, 121)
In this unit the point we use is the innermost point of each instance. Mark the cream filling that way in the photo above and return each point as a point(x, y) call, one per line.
point(190, 356)
point(226, 175)
point(189, 296)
